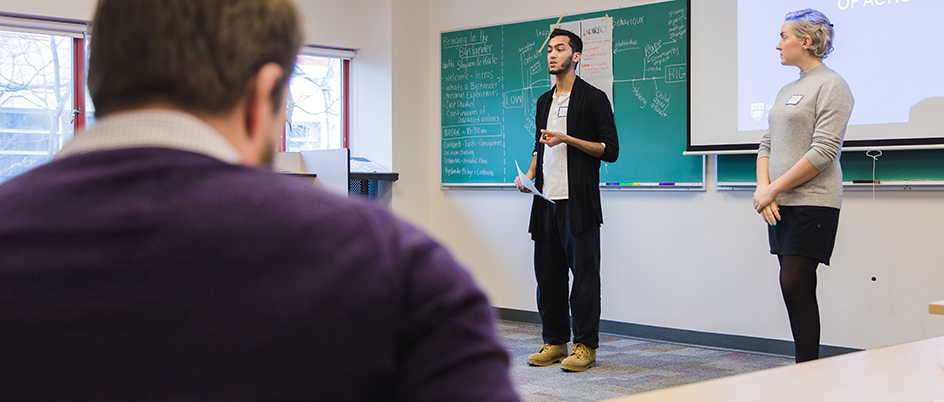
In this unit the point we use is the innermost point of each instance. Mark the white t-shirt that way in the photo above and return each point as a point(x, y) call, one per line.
point(555, 158)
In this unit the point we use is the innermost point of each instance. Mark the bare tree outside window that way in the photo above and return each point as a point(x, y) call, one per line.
point(314, 105)
point(35, 99)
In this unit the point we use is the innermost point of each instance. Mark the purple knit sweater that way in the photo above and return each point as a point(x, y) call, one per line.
point(156, 274)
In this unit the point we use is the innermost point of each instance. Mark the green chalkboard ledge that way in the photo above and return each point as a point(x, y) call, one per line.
point(477, 186)
point(666, 186)
point(653, 186)
point(893, 170)
point(850, 186)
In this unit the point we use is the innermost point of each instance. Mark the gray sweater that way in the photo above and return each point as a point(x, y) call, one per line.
point(809, 119)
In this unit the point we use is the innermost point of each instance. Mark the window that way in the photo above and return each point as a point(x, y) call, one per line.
point(36, 91)
point(89, 109)
point(39, 112)
point(316, 116)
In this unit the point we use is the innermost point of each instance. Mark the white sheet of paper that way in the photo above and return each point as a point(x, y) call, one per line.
point(596, 61)
point(529, 185)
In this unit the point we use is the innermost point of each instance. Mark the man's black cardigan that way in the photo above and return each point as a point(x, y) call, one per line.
point(590, 118)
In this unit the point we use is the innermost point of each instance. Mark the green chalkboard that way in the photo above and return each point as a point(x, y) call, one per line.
point(894, 166)
point(737, 168)
point(492, 77)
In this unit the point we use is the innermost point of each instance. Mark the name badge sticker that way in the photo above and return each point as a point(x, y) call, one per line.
point(794, 99)
point(562, 111)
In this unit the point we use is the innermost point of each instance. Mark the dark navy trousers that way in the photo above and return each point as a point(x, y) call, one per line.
point(557, 254)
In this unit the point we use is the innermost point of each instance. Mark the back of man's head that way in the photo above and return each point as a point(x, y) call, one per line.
point(198, 55)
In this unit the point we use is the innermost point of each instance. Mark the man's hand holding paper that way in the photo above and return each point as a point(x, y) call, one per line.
point(525, 185)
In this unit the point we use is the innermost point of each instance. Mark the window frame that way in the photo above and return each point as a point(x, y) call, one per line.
point(76, 29)
point(63, 28)
point(346, 55)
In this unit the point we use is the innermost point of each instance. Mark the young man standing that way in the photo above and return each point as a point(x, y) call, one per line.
point(575, 131)
point(158, 258)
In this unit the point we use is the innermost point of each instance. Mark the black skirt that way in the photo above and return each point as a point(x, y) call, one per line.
point(805, 230)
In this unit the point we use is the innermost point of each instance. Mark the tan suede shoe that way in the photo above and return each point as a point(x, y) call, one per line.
point(581, 358)
point(548, 355)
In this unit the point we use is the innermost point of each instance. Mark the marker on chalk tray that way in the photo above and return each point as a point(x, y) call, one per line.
point(865, 182)
point(666, 184)
point(611, 184)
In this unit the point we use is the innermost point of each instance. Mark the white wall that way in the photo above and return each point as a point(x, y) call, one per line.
point(334, 23)
point(412, 88)
point(696, 261)
point(72, 9)
point(371, 96)
point(327, 23)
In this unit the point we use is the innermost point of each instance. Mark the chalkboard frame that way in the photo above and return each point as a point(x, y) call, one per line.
point(688, 178)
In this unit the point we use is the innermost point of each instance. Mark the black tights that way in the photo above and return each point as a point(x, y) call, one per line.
point(798, 284)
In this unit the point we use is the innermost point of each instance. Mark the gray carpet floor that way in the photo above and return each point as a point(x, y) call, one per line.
point(625, 366)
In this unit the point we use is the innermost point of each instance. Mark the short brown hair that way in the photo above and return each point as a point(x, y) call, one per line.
point(576, 44)
point(195, 54)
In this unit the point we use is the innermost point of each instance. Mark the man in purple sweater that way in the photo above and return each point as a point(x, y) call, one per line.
point(158, 258)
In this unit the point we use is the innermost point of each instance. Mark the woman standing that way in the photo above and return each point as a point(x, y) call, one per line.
point(799, 180)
